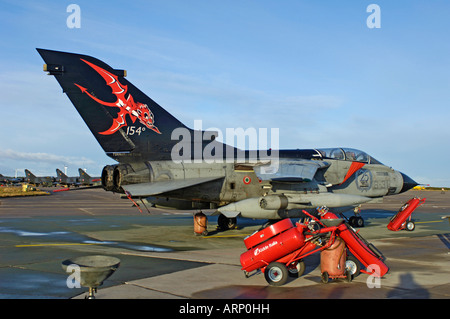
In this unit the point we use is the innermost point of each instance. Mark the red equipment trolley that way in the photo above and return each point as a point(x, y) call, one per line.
point(402, 220)
point(278, 250)
point(280, 255)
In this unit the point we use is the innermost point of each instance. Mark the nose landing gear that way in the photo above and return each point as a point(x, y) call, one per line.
point(357, 220)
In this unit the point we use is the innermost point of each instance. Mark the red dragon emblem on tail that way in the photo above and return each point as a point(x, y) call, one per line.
point(127, 105)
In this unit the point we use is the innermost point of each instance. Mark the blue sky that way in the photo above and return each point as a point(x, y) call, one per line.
point(313, 69)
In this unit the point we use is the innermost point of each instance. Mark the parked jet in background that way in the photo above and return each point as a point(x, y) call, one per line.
point(63, 179)
point(87, 180)
point(10, 180)
point(143, 137)
point(39, 180)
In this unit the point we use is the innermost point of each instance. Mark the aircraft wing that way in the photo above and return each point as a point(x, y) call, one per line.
point(155, 188)
point(300, 170)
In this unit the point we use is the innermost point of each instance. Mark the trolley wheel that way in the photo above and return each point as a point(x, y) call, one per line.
point(348, 276)
point(352, 265)
point(410, 226)
point(297, 270)
point(324, 276)
point(276, 274)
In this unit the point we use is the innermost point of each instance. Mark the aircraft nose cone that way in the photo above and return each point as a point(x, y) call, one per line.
point(408, 183)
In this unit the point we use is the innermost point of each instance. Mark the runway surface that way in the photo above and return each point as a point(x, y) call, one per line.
point(162, 258)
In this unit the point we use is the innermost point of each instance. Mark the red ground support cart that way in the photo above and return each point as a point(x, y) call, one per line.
point(278, 250)
point(402, 220)
point(365, 252)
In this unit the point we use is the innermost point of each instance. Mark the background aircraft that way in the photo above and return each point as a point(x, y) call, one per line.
point(39, 180)
point(143, 137)
point(63, 179)
point(87, 180)
point(10, 180)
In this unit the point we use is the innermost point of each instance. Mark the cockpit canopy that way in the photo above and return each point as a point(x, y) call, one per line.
point(347, 154)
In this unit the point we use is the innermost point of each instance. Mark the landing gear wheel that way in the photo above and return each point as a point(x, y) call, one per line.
point(410, 226)
point(226, 223)
point(351, 220)
point(356, 221)
point(276, 274)
point(359, 222)
point(297, 270)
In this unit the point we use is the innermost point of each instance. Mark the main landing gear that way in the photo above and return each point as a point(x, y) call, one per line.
point(225, 223)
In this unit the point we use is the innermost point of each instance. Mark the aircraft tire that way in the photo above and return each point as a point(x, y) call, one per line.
point(356, 221)
point(226, 223)
point(351, 220)
point(359, 222)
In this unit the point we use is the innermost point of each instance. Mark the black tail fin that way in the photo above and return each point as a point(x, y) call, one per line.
point(125, 121)
point(86, 179)
point(60, 176)
point(83, 175)
point(29, 177)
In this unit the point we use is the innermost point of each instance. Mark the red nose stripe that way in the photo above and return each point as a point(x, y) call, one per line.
point(353, 168)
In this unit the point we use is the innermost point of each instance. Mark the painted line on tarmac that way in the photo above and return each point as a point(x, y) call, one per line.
point(429, 222)
point(68, 244)
point(226, 236)
point(86, 211)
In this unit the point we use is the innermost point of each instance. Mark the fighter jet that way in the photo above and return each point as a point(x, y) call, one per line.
point(10, 180)
point(38, 180)
point(63, 179)
point(4, 179)
point(162, 160)
point(87, 180)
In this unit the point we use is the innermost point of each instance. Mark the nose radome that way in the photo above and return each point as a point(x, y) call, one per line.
point(408, 183)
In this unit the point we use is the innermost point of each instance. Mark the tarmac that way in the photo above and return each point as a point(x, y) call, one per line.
point(162, 258)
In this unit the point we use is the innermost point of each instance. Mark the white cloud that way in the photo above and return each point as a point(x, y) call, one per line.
point(45, 157)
